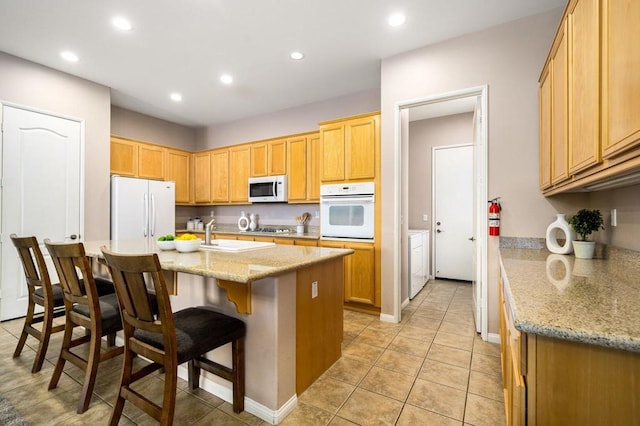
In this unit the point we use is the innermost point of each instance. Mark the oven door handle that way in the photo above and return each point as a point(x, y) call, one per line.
point(342, 200)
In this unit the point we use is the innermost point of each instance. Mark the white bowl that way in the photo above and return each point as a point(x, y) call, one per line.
point(166, 245)
point(187, 246)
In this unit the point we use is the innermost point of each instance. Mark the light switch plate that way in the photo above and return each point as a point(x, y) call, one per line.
point(314, 289)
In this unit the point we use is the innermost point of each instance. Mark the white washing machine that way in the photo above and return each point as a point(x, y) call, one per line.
point(418, 260)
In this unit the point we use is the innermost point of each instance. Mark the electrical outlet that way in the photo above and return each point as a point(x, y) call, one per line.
point(425, 217)
point(614, 217)
point(317, 214)
point(314, 289)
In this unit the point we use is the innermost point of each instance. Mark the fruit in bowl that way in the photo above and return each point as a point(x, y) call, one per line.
point(166, 242)
point(186, 243)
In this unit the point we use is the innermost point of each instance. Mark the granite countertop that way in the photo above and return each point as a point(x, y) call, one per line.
point(243, 266)
point(593, 301)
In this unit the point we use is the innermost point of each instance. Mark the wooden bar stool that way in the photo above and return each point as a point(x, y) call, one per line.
point(41, 293)
point(168, 339)
point(84, 307)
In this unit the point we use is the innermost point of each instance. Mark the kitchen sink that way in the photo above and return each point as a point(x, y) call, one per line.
point(235, 245)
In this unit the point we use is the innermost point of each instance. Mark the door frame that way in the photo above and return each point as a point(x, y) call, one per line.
point(481, 187)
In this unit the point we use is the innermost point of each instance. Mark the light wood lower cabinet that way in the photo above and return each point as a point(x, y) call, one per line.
point(550, 381)
point(361, 286)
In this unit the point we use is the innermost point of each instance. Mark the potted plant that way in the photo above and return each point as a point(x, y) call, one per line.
point(584, 223)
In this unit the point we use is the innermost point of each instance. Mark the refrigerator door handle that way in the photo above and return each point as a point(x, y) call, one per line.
point(152, 226)
point(146, 214)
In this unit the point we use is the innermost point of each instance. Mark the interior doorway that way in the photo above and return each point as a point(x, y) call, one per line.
point(476, 96)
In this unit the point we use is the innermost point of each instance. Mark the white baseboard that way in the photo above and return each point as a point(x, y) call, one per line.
point(387, 318)
point(493, 338)
point(405, 303)
point(250, 406)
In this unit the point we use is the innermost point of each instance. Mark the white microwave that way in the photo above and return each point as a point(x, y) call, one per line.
point(268, 189)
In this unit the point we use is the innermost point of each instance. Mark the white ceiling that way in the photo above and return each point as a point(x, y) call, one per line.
point(185, 45)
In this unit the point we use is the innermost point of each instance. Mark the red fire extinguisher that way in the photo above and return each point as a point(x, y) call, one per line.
point(494, 217)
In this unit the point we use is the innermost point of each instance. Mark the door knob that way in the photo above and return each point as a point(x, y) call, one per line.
point(472, 239)
point(437, 223)
point(439, 231)
point(73, 236)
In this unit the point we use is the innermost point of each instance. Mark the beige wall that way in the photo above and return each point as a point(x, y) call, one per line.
point(286, 122)
point(508, 59)
point(424, 135)
point(31, 85)
point(627, 203)
point(133, 125)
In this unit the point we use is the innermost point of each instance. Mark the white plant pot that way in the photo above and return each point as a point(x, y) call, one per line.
point(584, 249)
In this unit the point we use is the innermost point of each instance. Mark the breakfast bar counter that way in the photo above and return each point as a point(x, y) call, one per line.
point(290, 298)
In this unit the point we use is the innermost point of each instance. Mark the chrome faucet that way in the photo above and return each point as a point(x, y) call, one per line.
point(207, 231)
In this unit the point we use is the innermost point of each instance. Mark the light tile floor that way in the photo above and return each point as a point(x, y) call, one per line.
point(429, 369)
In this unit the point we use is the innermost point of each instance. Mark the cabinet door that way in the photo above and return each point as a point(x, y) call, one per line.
point(313, 167)
point(124, 157)
point(361, 269)
point(584, 85)
point(621, 80)
point(150, 161)
point(361, 141)
point(178, 170)
point(297, 164)
point(332, 152)
point(239, 163)
point(544, 94)
point(258, 159)
point(277, 157)
point(559, 131)
point(220, 174)
point(306, 243)
point(202, 177)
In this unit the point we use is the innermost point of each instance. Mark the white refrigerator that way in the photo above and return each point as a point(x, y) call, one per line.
point(142, 208)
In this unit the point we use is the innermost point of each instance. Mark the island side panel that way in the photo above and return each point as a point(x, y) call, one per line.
point(319, 319)
point(270, 339)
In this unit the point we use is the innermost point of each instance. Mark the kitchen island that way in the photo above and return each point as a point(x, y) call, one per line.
point(290, 298)
point(570, 334)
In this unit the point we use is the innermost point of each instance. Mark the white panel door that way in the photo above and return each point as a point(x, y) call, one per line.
point(454, 212)
point(41, 192)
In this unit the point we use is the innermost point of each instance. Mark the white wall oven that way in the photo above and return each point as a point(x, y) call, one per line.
point(347, 211)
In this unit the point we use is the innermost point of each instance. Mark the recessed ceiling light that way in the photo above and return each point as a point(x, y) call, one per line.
point(396, 19)
point(69, 56)
point(226, 79)
point(296, 55)
point(121, 23)
point(176, 97)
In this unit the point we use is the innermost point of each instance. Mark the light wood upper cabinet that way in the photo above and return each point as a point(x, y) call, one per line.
point(124, 157)
point(178, 170)
point(239, 166)
point(258, 159)
point(202, 176)
point(303, 168)
point(220, 175)
point(313, 167)
point(595, 105)
point(621, 76)
point(544, 94)
point(269, 158)
point(559, 105)
point(332, 152)
point(362, 141)
point(277, 157)
point(584, 85)
point(350, 148)
point(151, 161)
